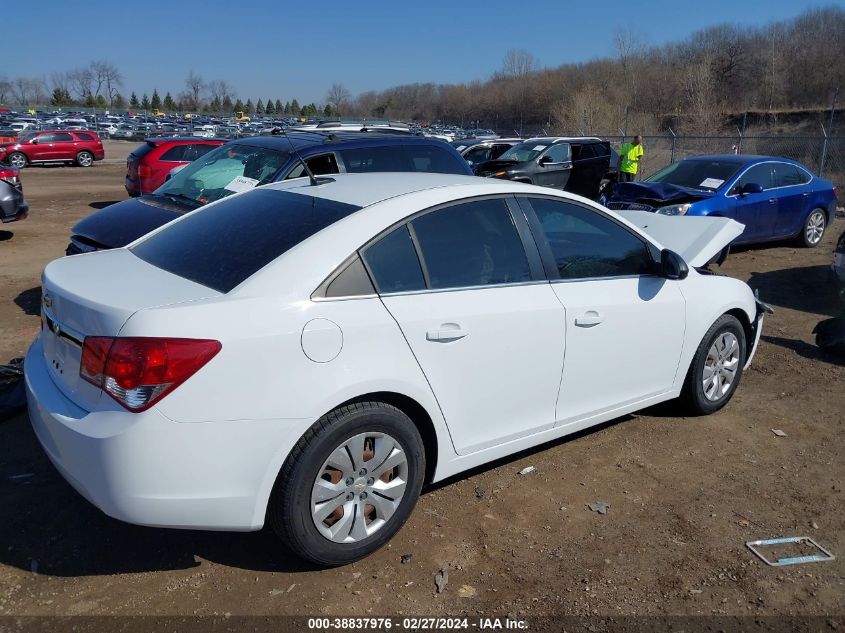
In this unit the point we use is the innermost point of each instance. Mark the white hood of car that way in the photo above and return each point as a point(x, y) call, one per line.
point(697, 239)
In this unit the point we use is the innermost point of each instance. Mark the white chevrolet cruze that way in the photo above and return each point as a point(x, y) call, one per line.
point(309, 356)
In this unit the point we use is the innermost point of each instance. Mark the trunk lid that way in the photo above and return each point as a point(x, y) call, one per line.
point(94, 295)
point(695, 238)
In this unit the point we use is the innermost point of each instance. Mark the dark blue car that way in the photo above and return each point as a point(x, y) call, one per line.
point(250, 162)
point(775, 198)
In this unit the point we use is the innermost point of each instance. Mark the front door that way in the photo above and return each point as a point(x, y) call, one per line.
point(554, 166)
point(624, 325)
point(487, 332)
point(757, 211)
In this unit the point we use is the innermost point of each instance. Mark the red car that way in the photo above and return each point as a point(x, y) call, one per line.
point(147, 167)
point(81, 147)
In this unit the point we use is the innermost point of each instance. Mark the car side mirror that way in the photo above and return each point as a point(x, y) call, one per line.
point(34, 141)
point(672, 265)
point(546, 160)
point(751, 187)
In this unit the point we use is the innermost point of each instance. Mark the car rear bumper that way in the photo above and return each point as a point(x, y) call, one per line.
point(13, 206)
point(146, 469)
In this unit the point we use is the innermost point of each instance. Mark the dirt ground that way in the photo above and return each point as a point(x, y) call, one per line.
point(685, 494)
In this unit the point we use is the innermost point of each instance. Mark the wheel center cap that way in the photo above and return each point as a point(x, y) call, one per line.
point(360, 485)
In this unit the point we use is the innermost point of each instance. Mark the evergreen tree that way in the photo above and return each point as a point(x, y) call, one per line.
point(239, 106)
point(249, 108)
point(169, 103)
point(327, 111)
point(280, 109)
point(155, 102)
point(60, 98)
point(145, 102)
point(100, 102)
point(215, 105)
point(133, 102)
point(227, 107)
point(294, 108)
point(259, 107)
point(89, 102)
point(287, 109)
point(118, 103)
point(270, 108)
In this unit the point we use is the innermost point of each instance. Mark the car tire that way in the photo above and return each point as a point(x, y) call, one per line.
point(812, 231)
point(18, 160)
point(716, 368)
point(85, 159)
point(346, 452)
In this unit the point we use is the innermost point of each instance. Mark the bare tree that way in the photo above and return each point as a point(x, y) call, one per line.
point(337, 97)
point(5, 89)
point(81, 81)
point(194, 86)
point(106, 75)
point(218, 89)
point(27, 91)
point(518, 63)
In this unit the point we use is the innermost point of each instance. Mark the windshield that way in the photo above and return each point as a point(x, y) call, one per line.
point(523, 152)
point(223, 171)
point(26, 137)
point(705, 175)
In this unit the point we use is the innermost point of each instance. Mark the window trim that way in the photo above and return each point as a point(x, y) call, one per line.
point(545, 248)
point(766, 162)
point(523, 230)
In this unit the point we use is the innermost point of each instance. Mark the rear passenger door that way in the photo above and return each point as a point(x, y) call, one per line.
point(590, 162)
point(465, 284)
point(791, 188)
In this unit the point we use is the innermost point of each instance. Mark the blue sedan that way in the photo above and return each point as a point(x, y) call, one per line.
point(775, 198)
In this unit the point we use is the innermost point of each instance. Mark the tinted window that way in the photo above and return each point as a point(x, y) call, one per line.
point(62, 137)
point(759, 174)
point(478, 155)
point(587, 244)
point(197, 151)
point(787, 175)
point(353, 281)
point(393, 158)
point(319, 165)
point(223, 245)
point(393, 262)
point(471, 244)
point(83, 136)
point(174, 154)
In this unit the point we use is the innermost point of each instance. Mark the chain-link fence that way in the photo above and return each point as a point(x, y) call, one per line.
point(822, 155)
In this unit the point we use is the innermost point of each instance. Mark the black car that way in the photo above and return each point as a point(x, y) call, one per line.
point(246, 163)
point(578, 165)
point(480, 150)
point(12, 204)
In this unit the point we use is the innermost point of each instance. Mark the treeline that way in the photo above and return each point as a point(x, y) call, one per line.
point(693, 86)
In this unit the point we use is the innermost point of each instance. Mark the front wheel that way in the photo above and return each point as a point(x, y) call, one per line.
point(85, 159)
point(349, 484)
point(716, 368)
point(18, 160)
point(814, 228)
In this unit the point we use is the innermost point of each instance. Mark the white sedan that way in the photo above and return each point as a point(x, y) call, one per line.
point(310, 355)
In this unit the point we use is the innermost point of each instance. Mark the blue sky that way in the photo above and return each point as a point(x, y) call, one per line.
point(284, 50)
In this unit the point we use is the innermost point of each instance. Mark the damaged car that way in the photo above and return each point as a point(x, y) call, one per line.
point(775, 198)
point(308, 356)
point(13, 206)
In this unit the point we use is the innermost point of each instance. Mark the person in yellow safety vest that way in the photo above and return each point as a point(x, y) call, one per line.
point(629, 159)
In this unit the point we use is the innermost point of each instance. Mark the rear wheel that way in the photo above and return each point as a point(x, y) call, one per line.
point(349, 484)
point(85, 159)
point(814, 228)
point(18, 160)
point(716, 368)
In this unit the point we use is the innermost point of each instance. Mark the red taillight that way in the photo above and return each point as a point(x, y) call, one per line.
point(137, 372)
point(10, 176)
point(144, 171)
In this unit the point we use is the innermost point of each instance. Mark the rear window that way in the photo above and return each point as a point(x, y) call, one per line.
point(223, 245)
point(395, 158)
point(142, 150)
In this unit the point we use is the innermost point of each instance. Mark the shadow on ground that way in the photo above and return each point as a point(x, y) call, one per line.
point(30, 301)
point(808, 289)
point(806, 350)
point(6, 235)
point(103, 204)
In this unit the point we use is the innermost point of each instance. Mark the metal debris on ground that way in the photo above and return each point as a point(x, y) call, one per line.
point(804, 541)
point(441, 578)
point(778, 432)
point(526, 470)
point(405, 558)
point(599, 506)
point(479, 492)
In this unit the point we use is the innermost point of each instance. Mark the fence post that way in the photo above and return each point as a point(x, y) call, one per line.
point(828, 132)
point(824, 154)
point(742, 131)
point(672, 159)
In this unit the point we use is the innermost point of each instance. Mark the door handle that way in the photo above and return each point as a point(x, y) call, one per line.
point(446, 333)
point(589, 318)
point(772, 200)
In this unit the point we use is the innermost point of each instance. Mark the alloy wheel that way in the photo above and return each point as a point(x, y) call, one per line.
point(815, 227)
point(17, 160)
point(84, 159)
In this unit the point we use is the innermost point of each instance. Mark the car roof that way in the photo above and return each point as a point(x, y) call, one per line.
point(161, 140)
point(364, 190)
point(742, 159)
point(559, 139)
point(303, 139)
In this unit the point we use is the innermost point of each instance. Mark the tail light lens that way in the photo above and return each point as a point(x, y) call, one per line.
point(10, 176)
point(144, 171)
point(140, 371)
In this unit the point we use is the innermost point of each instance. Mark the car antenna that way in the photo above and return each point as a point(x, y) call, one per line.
point(311, 177)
